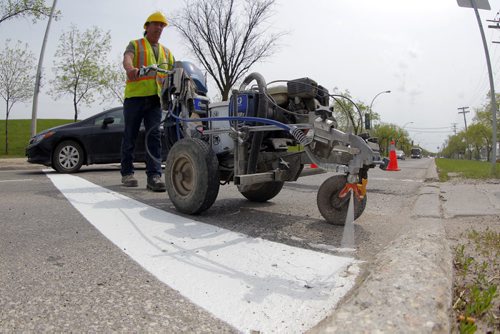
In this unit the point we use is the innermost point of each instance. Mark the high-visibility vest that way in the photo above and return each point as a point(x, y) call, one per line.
point(144, 56)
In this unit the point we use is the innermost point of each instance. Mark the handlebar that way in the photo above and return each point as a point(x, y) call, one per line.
point(144, 70)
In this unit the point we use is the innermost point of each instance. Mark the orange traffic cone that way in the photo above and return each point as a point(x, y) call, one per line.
point(393, 159)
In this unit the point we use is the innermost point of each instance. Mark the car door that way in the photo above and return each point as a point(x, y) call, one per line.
point(104, 140)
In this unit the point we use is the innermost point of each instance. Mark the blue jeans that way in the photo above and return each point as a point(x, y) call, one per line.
point(135, 110)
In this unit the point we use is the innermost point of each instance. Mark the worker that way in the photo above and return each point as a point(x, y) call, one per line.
point(142, 101)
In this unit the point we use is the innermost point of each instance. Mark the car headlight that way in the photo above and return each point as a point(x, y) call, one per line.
point(38, 138)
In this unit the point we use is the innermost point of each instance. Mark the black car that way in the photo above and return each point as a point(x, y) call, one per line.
point(95, 140)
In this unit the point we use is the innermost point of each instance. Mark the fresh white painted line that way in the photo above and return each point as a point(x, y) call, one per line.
point(252, 284)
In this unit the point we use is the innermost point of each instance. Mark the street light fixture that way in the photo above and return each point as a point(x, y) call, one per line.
point(369, 121)
point(406, 125)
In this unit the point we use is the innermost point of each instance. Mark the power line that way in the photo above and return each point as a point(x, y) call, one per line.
point(439, 128)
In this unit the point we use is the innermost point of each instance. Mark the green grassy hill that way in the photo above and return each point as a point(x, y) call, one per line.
point(20, 134)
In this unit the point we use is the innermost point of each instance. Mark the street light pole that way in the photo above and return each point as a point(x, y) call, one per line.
point(371, 104)
point(484, 4)
point(403, 128)
point(34, 109)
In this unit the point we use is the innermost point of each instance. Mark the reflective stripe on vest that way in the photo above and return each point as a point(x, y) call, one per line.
point(144, 56)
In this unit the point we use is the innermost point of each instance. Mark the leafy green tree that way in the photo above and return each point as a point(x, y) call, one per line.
point(348, 115)
point(17, 77)
point(480, 136)
point(385, 134)
point(455, 146)
point(114, 78)
point(34, 9)
point(401, 138)
point(80, 65)
point(227, 36)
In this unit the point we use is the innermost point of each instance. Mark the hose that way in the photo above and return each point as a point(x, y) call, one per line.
point(261, 113)
point(293, 130)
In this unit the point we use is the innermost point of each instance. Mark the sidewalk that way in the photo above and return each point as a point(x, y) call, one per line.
point(409, 287)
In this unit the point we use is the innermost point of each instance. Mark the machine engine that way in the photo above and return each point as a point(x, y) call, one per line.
point(259, 139)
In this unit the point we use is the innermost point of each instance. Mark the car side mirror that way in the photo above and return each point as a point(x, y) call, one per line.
point(106, 121)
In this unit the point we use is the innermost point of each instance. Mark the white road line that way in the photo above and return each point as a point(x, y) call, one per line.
point(18, 180)
point(395, 180)
point(251, 283)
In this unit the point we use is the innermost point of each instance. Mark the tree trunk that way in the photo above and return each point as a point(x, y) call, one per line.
point(75, 106)
point(7, 129)
point(225, 93)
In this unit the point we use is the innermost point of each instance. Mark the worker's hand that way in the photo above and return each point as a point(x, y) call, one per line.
point(133, 73)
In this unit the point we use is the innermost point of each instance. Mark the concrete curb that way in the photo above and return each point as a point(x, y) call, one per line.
point(408, 288)
point(431, 174)
point(18, 164)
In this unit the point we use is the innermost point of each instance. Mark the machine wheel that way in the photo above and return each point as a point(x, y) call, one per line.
point(67, 157)
point(191, 176)
point(261, 192)
point(333, 208)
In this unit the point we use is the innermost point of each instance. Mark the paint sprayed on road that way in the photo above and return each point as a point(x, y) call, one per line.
point(251, 283)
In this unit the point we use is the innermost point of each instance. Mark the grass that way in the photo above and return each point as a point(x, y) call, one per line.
point(469, 169)
point(20, 134)
point(476, 287)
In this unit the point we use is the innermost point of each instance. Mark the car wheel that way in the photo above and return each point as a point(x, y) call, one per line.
point(67, 157)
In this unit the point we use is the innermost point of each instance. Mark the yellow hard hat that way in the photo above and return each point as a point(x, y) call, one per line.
point(156, 17)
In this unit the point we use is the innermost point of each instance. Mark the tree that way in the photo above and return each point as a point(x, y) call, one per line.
point(17, 77)
point(455, 146)
point(114, 78)
point(385, 134)
point(80, 64)
point(36, 9)
point(227, 38)
point(348, 115)
point(479, 136)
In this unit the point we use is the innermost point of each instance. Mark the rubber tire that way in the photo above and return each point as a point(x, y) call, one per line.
point(261, 192)
point(68, 157)
point(191, 176)
point(333, 208)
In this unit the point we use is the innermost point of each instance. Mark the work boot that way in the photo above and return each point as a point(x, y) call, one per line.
point(156, 184)
point(129, 180)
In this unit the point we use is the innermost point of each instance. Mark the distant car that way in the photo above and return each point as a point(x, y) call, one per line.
point(400, 154)
point(95, 140)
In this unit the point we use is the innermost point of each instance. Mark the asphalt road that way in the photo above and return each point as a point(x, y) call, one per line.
point(59, 273)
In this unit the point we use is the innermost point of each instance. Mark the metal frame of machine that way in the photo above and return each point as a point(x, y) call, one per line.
point(247, 141)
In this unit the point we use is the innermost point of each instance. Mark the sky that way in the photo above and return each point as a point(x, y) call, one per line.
point(428, 53)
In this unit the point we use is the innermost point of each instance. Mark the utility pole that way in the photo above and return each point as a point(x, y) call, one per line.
point(465, 111)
